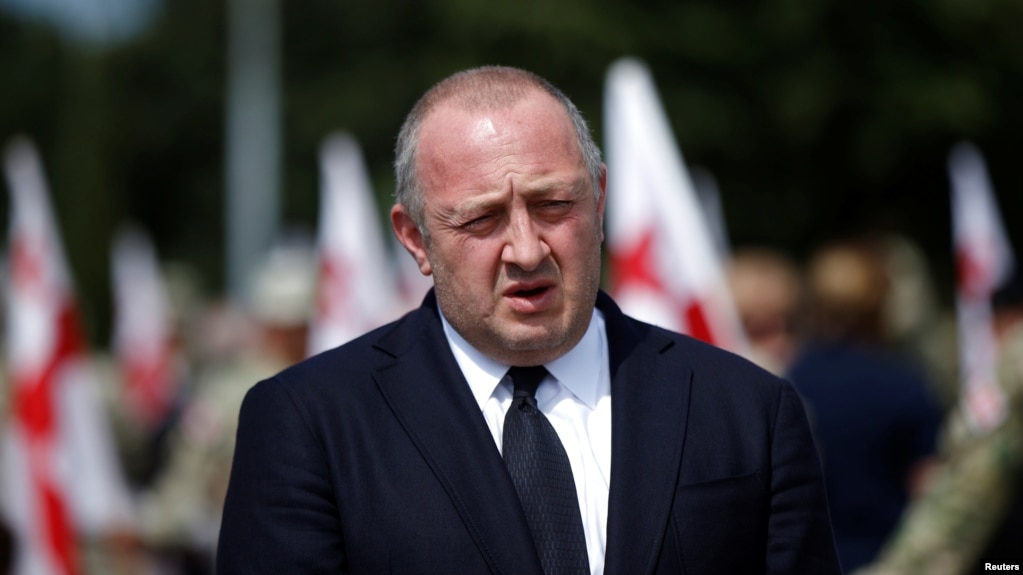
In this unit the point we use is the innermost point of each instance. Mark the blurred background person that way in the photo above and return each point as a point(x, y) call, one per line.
point(970, 510)
point(767, 289)
point(874, 418)
point(915, 322)
point(180, 515)
point(141, 441)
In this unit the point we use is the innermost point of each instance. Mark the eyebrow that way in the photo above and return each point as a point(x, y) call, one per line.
point(489, 199)
point(472, 205)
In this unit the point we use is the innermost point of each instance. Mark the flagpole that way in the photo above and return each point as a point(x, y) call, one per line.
point(252, 136)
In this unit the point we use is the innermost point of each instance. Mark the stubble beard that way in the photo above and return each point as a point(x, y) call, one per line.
point(515, 343)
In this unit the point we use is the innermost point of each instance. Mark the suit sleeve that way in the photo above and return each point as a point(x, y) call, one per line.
point(799, 539)
point(280, 515)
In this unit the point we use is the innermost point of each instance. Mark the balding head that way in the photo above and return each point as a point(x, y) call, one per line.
point(478, 89)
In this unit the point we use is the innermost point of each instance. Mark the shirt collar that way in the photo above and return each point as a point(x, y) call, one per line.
point(578, 370)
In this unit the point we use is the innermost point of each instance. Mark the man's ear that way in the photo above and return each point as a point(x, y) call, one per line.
point(409, 235)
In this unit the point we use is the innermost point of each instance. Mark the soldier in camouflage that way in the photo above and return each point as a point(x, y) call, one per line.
point(180, 515)
point(950, 527)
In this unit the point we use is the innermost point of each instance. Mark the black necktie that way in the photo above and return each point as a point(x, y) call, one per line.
point(542, 475)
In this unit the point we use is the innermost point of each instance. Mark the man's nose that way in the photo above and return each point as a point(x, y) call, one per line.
point(525, 246)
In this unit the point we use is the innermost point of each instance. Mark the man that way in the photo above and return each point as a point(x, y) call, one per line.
point(875, 421)
point(385, 455)
point(767, 290)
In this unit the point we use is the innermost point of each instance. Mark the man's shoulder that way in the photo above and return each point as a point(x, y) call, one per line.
point(710, 364)
point(354, 361)
point(628, 333)
point(381, 344)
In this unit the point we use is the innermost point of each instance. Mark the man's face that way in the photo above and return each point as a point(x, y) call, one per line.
point(514, 227)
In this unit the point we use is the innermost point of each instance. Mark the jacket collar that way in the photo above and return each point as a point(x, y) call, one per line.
point(649, 406)
point(650, 399)
point(443, 420)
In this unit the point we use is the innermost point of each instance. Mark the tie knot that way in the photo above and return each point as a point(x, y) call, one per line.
point(526, 379)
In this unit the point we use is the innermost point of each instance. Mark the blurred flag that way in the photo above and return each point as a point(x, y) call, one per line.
point(412, 284)
point(663, 262)
point(984, 262)
point(61, 478)
point(143, 331)
point(357, 287)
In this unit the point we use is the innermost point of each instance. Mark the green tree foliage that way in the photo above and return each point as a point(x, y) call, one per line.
point(816, 117)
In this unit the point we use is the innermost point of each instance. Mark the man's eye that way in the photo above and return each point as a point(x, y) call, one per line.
point(477, 222)
point(555, 206)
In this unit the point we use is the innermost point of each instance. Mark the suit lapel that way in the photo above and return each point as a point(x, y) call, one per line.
point(650, 400)
point(441, 417)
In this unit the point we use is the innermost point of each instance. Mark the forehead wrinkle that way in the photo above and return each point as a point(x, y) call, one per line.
point(547, 186)
point(480, 202)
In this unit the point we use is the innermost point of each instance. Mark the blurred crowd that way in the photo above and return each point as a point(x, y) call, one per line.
point(857, 328)
point(913, 486)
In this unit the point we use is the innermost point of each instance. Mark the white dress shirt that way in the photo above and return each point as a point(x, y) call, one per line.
point(576, 398)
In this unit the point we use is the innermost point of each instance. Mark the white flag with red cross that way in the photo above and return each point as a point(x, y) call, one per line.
point(357, 288)
point(984, 262)
point(62, 481)
point(664, 266)
point(143, 330)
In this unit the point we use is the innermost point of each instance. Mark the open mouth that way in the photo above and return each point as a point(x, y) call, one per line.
point(531, 292)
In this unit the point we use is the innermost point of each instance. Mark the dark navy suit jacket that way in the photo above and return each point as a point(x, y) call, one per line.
point(375, 458)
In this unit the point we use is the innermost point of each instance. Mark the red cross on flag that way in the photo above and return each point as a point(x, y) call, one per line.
point(357, 286)
point(143, 332)
point(664, 266)
point(62, 481)
point(984, 262)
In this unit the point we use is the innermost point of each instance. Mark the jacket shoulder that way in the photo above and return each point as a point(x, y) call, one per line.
point(356, 360)
point(728, 367)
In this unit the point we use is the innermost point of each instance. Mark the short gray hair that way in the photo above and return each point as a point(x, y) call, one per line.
point(483, 88)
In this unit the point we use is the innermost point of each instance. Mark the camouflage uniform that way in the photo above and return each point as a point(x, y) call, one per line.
point(947, 528)
point(182, 511)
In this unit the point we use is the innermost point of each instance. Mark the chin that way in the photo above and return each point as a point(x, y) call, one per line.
point(544, 344)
